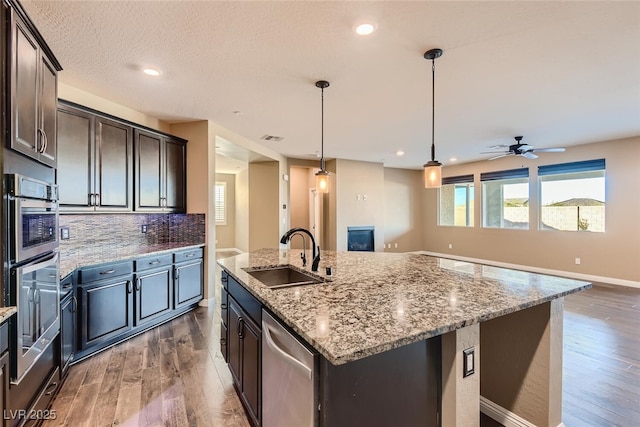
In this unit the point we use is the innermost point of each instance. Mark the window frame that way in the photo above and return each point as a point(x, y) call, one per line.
point(468, 181)
point(223, 185)
point(567, 169)
point(503, 175)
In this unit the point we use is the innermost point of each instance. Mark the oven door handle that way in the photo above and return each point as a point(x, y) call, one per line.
point(53, 260)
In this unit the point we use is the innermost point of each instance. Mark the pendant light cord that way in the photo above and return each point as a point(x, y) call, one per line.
point(433, 109)
point(322, 130)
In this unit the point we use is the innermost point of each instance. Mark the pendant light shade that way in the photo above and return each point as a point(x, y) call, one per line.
point(433, 168)
point(322, 176)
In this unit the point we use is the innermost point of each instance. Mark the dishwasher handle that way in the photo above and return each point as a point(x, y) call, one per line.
point(292, 360)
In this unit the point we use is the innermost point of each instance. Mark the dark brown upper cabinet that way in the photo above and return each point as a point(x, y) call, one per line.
point(95, 162)
point(33, 91)
point(160, 165)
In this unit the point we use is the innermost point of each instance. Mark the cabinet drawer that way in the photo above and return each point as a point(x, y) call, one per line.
point(105, 271)
point(247, 301)
point(188, 255)
point(43, 400)
point(4, 337)
point(149, 262)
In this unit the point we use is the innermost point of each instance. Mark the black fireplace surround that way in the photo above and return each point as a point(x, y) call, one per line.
point(360, 238)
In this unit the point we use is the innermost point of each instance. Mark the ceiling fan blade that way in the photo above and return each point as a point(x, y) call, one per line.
point(529, 155)
point(550, 150)
point(494, 152)
point(500, 155)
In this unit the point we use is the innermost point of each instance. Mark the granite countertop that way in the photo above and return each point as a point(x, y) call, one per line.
point(6, 312)
point(69, 263)
point(378, 301)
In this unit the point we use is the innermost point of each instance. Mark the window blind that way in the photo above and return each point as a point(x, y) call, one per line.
point(506, 174)
point(220, 201)
point(583, 166)
point(461, 179)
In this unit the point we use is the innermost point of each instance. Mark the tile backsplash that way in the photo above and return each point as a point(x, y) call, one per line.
point(121, 233)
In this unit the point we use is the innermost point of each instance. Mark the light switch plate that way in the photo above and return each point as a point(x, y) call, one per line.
point(469, 361)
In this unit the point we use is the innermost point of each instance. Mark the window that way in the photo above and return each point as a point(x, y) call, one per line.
point(572, 196)
point(505, 199)
point(456, 201)
point(221, 203)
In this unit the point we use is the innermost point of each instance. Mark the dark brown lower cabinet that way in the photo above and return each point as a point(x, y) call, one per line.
point(189, 283)
point(245, 359)
point(106, 310)
point(4, 385)
point(153, 295)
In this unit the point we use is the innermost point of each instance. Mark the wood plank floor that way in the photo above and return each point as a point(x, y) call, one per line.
point(174, 375)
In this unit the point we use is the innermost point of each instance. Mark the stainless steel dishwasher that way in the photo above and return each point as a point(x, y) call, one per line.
point(289, 383)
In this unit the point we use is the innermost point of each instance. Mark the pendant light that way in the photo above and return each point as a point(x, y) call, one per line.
point(433, 168)
point(322, 176)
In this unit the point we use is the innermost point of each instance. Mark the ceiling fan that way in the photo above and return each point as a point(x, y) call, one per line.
point(520, 149)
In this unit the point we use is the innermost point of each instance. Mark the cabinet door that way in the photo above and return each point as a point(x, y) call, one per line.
point(67, 332)
point(114, 172)
point(25, 86)
point(224, 313)
point(234, 344)
point(4, 385)
point(175, 170)
point(188, 283)
point(48, 99)
point(251, 368)
point(148, 170)
point(75, 166)
point(107, 310)
point(153, 295)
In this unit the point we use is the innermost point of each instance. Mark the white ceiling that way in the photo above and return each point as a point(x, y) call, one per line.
point(559, 73)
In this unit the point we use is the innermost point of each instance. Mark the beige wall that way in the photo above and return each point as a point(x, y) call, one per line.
point(264, 208)
point(612, 254)
point(299, 201)
point(226, 234)
point(70, 93)
point(200, 196)
point(242, 210)
point(403, 210)
point(364, 180)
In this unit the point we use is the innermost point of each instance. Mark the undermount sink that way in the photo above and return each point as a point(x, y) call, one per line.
point(282, 277)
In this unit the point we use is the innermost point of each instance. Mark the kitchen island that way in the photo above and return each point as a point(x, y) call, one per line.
point(374, 303)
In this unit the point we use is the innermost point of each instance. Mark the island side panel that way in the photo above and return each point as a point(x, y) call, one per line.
point(400, 387)
point(460, 395)
point(521, 363)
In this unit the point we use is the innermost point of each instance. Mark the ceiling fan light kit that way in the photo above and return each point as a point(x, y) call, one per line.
point(523, 150)
point(433, 168)
point(322, 176)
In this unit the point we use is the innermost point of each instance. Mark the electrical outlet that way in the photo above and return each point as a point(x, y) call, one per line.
point(468, 362)
point(396, 245)
point(64, 233)
point(450, 246)
point(577, 261)
point(143, 228)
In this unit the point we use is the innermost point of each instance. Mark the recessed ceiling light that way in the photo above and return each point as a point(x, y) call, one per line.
point(151, 71)
point(237, 112)
point(399, 153)
point(453, 159)
point(365, 29)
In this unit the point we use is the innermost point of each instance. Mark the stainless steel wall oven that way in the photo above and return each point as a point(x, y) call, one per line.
point(34, 269)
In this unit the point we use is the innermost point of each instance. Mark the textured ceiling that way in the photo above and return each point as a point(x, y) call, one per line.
point(559, 73)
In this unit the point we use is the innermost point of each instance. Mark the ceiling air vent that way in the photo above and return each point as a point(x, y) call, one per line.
point(272, 138)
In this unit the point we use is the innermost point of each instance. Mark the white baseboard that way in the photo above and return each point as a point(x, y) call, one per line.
point(503, 416)
point(229, 250)
point(207, 302)
point(569, 274)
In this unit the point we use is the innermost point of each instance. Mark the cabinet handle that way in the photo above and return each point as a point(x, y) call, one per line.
point(74, 305)
point(154, 262)
point(190, 255)
point(39, 137)
point(97, 199)
point(129, 287)
point(138, 284)
point(224, 279)
point(223, 306)
point(92, 200)
point(176, 274)
point(53, 385)
point(240, 327)
point(223, 341)
point(108, 271)
point(44, 146)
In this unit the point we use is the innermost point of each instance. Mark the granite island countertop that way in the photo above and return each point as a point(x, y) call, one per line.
point(6, 312)
point(70, 261)
point(377, 301)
